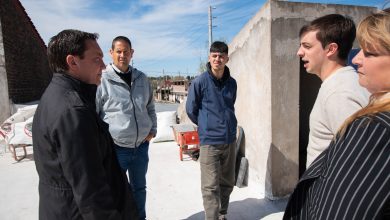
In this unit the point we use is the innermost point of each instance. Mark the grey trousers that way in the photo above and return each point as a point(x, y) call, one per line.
point(217, 167)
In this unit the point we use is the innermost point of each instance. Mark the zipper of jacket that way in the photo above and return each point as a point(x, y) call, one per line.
point(135, 116)
point(132, 102)
point(225, 112)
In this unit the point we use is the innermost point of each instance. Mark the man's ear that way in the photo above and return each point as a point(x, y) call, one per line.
point(333, 49)
point(70, 60)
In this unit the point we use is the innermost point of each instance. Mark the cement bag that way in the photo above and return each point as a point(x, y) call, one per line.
point(17, 128)
point(22, 114)
point(164, 122)
point(20, 133)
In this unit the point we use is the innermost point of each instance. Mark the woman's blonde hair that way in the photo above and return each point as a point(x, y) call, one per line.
point(373, 32)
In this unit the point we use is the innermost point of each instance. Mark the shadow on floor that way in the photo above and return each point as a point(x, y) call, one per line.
point(249, 209)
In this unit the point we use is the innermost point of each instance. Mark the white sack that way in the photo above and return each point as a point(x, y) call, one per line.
point(17, 128)
point(164, 122)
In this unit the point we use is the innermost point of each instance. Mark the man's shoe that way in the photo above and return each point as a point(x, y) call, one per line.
point(222, 217)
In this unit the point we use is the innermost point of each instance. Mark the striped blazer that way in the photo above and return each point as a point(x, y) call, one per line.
point(351, 178)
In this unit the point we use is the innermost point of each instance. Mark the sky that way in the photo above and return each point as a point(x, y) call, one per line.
point(170, 37)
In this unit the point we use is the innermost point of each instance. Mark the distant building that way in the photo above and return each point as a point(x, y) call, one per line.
point(24, 68)
point(163, 90)
point(172, 90)
point(179, 90)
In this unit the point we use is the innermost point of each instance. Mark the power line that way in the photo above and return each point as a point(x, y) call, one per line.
point(168, 73)
point(235, 9)
point(193, 33)
point(193, 30)
point(385, 4)
point(170, 51)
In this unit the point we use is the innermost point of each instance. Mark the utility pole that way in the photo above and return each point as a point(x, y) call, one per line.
point(210, 26)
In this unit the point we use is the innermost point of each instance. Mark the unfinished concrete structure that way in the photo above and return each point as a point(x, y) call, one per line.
point(275, 94)
point(24, 69)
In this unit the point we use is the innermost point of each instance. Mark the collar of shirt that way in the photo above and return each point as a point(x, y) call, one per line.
point(117, 70)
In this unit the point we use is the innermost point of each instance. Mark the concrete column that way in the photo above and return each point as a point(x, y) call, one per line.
point(4, 97)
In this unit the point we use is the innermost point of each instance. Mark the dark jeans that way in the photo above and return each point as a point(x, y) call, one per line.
point(217, 168)
point(135, 161)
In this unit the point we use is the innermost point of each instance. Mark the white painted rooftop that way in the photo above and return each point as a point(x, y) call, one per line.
point(173, 191)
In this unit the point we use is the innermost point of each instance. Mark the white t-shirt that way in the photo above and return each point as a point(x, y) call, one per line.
point(339, 97)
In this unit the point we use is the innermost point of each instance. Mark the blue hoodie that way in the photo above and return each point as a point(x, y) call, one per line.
point(210, 105)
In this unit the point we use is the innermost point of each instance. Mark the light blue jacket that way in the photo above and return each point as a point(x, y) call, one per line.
point(129, 112)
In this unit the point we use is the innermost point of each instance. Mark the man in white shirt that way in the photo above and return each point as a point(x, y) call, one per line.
point(324, 47)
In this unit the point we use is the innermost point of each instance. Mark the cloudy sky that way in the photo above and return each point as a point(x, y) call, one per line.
point(167, 35)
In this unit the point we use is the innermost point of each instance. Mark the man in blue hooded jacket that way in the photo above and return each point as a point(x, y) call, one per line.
point(210, 105)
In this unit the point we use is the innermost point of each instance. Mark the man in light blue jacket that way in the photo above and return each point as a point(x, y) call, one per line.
point(124, 100)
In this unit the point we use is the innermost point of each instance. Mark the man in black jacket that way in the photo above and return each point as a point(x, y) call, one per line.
point(79, 175)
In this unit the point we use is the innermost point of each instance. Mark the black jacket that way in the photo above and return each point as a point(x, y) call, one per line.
point(351, 178)
point(79, 175)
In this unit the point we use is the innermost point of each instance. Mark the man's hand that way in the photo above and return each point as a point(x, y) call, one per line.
point(149, 137)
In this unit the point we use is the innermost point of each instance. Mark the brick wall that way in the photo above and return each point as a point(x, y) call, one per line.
point(27, 68)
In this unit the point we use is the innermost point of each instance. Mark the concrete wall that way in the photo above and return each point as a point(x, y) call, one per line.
point(27, 71)
point(249, 62)
point(263, 61)
point(4, 101)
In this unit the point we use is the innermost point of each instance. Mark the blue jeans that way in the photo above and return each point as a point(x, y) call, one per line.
point(135, 162)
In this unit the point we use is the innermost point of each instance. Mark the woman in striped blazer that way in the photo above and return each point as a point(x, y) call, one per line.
point(351, 179)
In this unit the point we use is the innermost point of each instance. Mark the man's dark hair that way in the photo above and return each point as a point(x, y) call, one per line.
point(120, 38)
point(219, 47)
point(333, 28)
point(67, 42)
